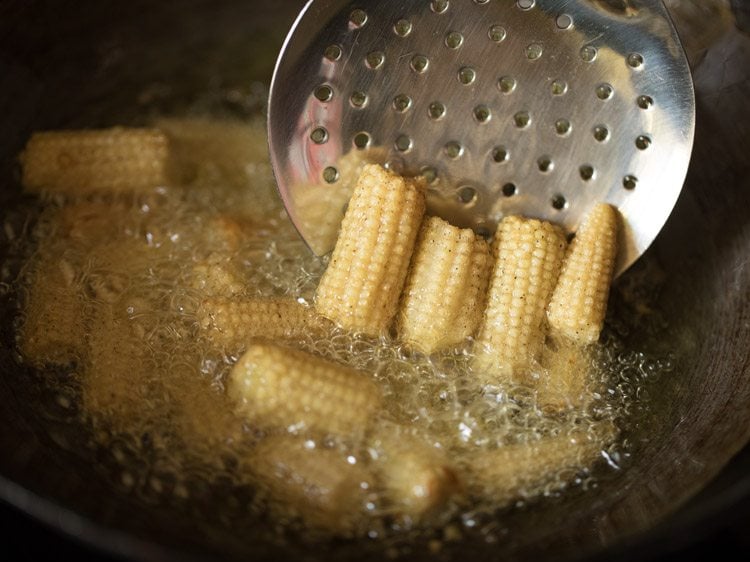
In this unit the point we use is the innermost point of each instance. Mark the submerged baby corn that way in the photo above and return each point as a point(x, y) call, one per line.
point(568, 378)
point(216, 151)
point(444, 295)
point(54, 325)
point(528, 254)
point(361, 287)
point(579, 301)
point(521, 470)
point(217, 277)
point(316, 484)
point(284, 387)
point(418, 479)
point(318, 208)
point(116, 365)
point(231, 323)
point(118, 160)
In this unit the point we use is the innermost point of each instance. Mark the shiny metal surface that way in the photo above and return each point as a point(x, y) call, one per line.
point(534, 107)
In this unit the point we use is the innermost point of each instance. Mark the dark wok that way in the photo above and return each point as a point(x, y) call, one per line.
point(86, 63)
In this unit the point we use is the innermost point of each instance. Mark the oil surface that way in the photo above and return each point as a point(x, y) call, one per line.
point(112, 294)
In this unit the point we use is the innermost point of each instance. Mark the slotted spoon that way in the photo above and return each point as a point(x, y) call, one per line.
point(533, 107)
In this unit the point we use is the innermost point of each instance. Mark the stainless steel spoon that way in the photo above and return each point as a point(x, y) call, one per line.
point(533, 107)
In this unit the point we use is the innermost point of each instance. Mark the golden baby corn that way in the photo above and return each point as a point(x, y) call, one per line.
point(217, 277)
point(54, 326)
point(118, 160)
point(525, 469)
point(88, 224)
point(209, 150)
point(443, 300)
point(314, 483)
point(528, 255)
point(319, 207)
point(231, 323)
point(418, 479)
point(285, 387)
point(579, 302)
point(568, 376)
point(116, 384)
point(361, 287)
point(76, 261)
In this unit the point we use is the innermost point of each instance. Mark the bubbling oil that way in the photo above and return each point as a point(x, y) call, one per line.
point(121, 279)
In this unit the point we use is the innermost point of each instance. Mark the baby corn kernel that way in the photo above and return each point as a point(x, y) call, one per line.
point(579, 301)
point(288, 388)
point(76, 163)
point(418, 479)
point(313, 483)
point(513, 471)
point(567, 380)
point(54, 326)
point(360, 289)
point(230, 323)
point(528, 254)
point(444, 296)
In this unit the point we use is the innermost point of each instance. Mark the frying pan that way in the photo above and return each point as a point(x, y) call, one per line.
point(86, 63)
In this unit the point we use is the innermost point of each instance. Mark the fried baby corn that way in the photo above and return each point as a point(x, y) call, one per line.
point(418, 479)
point(284, 387)
point(54, 325)
point(231, 323)
point(567, 379)
point(579, 301)
point(116, 385)
point(528, 255)
point(87, 224)
point(217, 277)
point(74, 251)
point(319, 208)
point(522, 470)
point(76, 163)
point(361, 287)
point(444, 295)
point(316, 484)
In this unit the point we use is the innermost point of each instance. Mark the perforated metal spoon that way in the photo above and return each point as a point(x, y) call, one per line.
point(533, 107)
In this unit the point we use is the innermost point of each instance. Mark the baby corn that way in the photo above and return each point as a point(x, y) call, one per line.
point(318, 208)
point(115, 160)
point(444, 296)
point(417, 478)
point(210, 151)
point(363, 282)
point(228, 234)
point(54, 325)
point(567, 381)
point(579, 301)
point(89, 224)
point(231, 323)
point(285, 387)
point(216, 277)
point(528, 254)
point(116, 385)
point(318, 485)
point(527, 469)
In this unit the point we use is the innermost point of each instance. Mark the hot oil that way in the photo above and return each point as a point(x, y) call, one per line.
point(150, 389)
